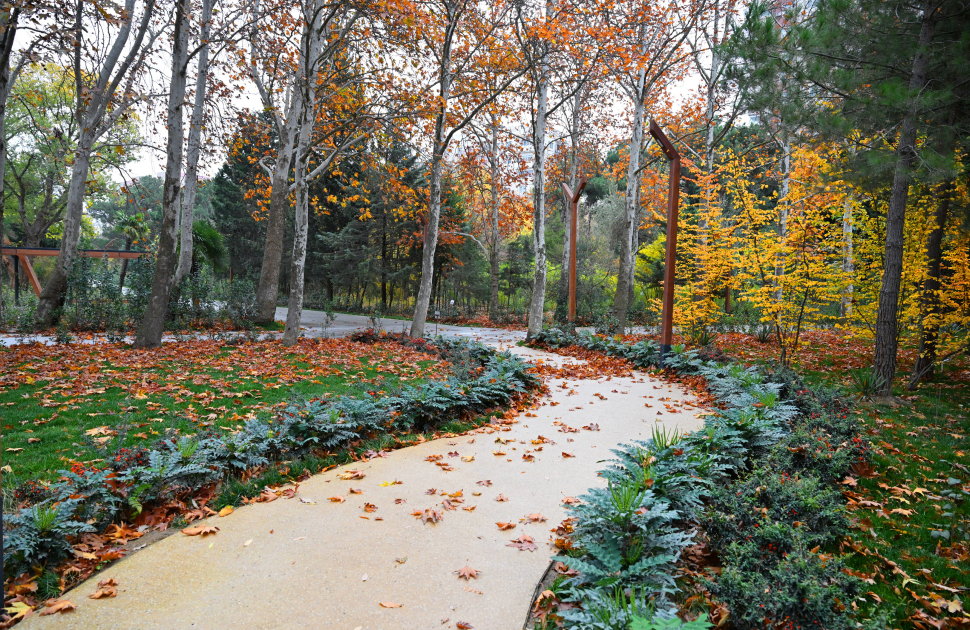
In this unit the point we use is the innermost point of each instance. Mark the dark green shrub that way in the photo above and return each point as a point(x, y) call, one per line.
point(802, 590)
point(750, 507)
point(38, 536)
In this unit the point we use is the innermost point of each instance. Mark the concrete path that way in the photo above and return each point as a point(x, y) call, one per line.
point(307, 562)
point(313, 321)
point(345, 324)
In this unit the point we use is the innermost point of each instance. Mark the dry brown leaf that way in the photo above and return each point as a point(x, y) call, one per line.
point(505, 526)
point(390, 605)
point(54, 606)
point(337, 499)
point(226, 511)
point(467, 573)
point(201, 530)
point(535, 518)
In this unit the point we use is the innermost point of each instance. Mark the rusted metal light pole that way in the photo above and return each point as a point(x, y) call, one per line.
point(670, 261)
point(573, 199)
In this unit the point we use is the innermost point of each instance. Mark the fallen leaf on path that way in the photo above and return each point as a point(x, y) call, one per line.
point(470, 508)
point(384, 484)
point(565, 454)
point(390, 605)
point(467, 573)
point(370, 507)
point(535, 518)
point(432, 516)
point(501, 498)
point(464, 625)
point(337, 499)
point(201, 530)
point(351, 474)
point(248, 542)
point(302, 500)
point(524, 543)
point(468, 458)
point(431, 491)
point(226, 511)
point(400, 501)
point(106, 588)
point(55, 606)
point(571, 501)
point(505, 526)
point(355, 491)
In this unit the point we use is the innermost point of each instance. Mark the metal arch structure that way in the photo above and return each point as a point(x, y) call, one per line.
point(670, 259)
point(573, 199)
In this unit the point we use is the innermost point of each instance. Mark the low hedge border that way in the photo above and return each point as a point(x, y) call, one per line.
point(758, 479)
point(39, 537)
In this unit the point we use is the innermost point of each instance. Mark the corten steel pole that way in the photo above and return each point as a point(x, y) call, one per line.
point(673, 201)
point(573, 199)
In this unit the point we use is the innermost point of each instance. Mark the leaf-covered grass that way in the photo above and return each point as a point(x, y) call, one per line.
point(912, 528)
point(53, 399)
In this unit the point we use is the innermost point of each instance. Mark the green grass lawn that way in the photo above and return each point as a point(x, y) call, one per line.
point(81, 402)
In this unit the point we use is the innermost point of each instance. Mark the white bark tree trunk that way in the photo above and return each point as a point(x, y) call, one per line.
point(538, 300)
point(623, 280)
point(166, 263)
point(493, 253)
point(194, 147)
point(848, 265)
point(434, 206)
point(307, 118)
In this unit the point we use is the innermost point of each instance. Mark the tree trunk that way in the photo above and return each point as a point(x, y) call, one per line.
point(124, 266)
point(194, 147)
point(493, 253)
point(621, 300)
point(538, 300)
point(434, 206)
point(848, 264)
point(279, 204)
point(783, 218)
point(930, 298)
point(55, 290)
point(8, 34)
point(166, 262)
point(887, 317)
point(294, 313)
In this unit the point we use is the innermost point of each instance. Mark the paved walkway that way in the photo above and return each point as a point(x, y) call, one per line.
point(308, 562)
point(312, 321)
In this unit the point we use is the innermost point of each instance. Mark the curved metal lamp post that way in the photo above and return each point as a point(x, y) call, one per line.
point(673, 202)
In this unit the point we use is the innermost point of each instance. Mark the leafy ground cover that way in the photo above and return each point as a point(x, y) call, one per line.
point(910, 511)
point(910, 538)
point(72, 403)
